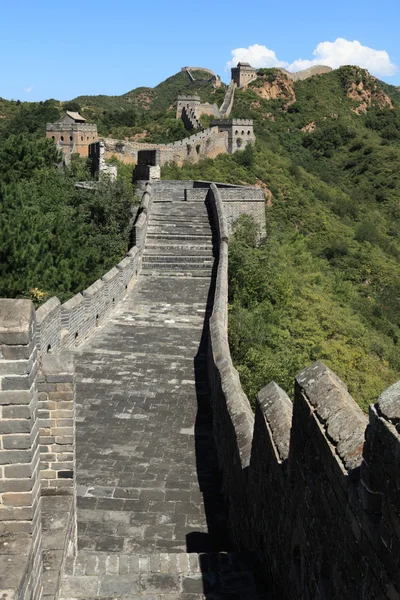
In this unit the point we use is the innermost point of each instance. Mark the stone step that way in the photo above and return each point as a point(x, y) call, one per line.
point(153, 272)
point(89, 562)
point(176, 265)
point(187, 206)
point(195, 257)
point(163, 245)
point(181, 214)
point(178, 236)
point(166, 226)
point(175, 575)
point(181, 202)
point(184, 218)
point(177, 199)
point(178, 253)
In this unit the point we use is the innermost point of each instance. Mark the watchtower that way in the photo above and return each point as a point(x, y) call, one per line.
point(72, 133)
point(148, 165)
point(243, 73)
point(187, 102)
point(240, 132)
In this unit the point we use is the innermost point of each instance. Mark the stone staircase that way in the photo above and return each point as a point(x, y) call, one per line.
point(152, 523)
point(160, 576)
point(179, 239)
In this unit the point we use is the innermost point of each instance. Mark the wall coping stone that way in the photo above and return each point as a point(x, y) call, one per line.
point(93, 289)
point(45, 309)
point(16, 317)
point(123, 263)
point(342, 419)
point(133, 252)
point(56, 364)
point(73, 302)
point(111, 273)
point(388, 404)
point(277, 409)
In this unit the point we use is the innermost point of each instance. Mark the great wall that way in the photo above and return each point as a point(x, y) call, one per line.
point(73, 135)
point(131, 462)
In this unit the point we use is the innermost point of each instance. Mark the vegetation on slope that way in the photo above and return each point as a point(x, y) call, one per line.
point(147, 110)
point(143, 114)
point(325, 284)
point(55, 239)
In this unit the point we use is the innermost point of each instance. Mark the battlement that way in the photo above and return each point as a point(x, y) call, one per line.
point(71, 127)
point(231, 122)
point(243, 74)
point(72, 136)
point(242, 122)
point(313, 487)
point(189, 98)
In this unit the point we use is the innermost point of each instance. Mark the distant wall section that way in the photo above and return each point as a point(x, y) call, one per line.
point(207, 144)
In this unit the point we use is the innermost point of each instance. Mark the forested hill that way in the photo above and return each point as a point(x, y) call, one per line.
point(326, 283)
point(145, 114)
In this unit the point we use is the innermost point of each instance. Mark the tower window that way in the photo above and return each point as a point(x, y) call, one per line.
point(62, 138)
point(70, 138)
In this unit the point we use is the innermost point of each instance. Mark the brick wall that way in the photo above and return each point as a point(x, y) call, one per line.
point(37, 411)
point(312, 488)
point(20, 505)
point(61, 326)
point(244, 201)
point(206, 144)
point(56, 386)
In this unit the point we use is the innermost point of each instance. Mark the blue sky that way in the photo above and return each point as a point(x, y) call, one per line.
point(65, 49)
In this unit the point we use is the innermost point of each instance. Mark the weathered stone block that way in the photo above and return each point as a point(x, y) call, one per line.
point(15, 397)
point(15, 426)
point(17, 441)
point(17, 499)
point(8, 457)
point(18, 411)
point(16, 322)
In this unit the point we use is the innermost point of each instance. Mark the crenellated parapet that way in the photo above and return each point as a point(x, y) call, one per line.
point(313, 486)
point(37, 420)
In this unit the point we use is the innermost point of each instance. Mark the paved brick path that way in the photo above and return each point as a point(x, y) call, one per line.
point(148, 488)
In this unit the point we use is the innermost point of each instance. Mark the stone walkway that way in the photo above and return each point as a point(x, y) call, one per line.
point(151, 520)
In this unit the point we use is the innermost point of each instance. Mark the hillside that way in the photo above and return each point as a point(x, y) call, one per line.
point(148, 113)
point(149, 110)
point(326, 284)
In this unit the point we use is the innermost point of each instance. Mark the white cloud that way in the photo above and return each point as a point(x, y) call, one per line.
point(333, 54)
point(258, 56)
point(29, 89)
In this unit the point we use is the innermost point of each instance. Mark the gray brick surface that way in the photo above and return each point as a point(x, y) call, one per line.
point(148, 487)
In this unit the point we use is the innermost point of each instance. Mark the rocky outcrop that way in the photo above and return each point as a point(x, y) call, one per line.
point(309, 128)
point(280, 88)
point(367, 96)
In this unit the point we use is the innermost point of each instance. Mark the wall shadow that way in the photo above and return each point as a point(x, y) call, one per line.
point(219, 564)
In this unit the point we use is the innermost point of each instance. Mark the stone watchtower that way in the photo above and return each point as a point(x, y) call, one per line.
point(72, 134)
point(240, 132)
point(148, 166)
point(187, 102)
point(243, 73)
